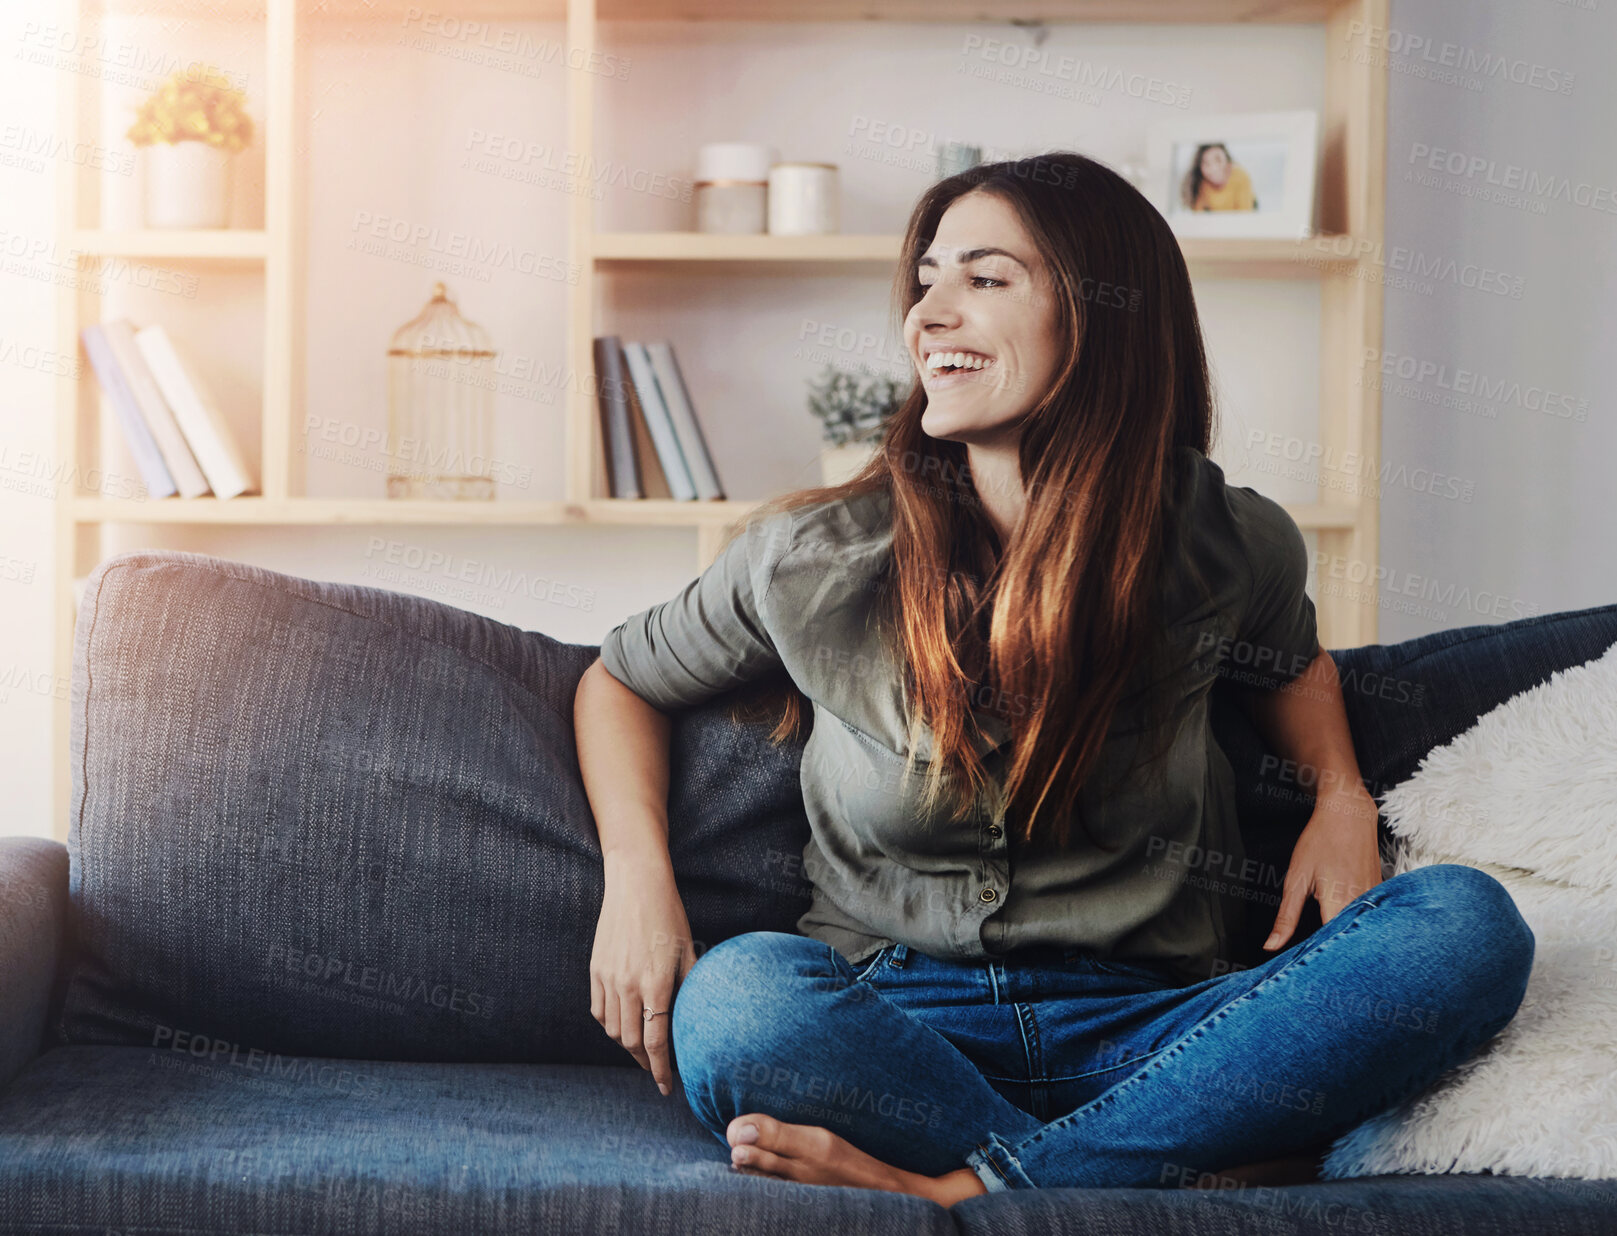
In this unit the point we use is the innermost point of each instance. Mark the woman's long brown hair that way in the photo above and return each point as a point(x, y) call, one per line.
point(1047, 630)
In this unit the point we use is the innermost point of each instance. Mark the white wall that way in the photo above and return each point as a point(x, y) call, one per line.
point(396, 110)
point(29, 474)
point(1536, 534)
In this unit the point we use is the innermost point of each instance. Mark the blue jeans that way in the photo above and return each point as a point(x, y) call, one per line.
point(1055, 1069)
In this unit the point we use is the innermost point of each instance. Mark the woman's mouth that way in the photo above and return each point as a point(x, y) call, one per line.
point(946, 369)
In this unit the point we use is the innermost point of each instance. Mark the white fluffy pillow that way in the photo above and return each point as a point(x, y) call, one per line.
point(1528, 794)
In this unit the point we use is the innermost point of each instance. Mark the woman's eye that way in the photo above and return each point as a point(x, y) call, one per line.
point(975, 280)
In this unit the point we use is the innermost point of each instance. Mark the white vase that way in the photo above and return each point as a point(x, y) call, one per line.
point(187, 185)
point(839, 463)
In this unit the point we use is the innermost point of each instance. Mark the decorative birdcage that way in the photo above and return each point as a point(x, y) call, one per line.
point(440, 397)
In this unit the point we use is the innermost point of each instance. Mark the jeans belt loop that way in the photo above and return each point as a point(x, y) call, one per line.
point(900, 951)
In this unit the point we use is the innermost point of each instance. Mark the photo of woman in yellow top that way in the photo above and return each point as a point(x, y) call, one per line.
point(1216, 181)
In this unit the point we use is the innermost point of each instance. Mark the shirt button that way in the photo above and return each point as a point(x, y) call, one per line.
point(988, 894)
point(994, 830)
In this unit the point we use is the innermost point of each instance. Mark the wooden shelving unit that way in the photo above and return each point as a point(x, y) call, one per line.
point(1353, 152)
point(223, 244)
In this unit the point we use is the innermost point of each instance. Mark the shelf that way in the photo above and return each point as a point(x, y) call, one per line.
point(215, 10)
point(1146, 11)
point(223, 244)
point(718, 247)
point(649, 512)
point(1265, 258)
point(968, 10)
point(1234, 256)
point(252, 510)
point(1317, 516)
point(1237, 257)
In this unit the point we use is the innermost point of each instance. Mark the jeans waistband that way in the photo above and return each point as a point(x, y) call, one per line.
point(1044, 955)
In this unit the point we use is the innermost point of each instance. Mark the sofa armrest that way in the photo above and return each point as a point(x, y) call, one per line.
point(33, 919)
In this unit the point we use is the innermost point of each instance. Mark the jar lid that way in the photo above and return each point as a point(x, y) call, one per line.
point(439, 330)
point(734, 161)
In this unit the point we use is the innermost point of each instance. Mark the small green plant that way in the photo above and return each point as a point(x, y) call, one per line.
point(851, 410)
point(194, 106)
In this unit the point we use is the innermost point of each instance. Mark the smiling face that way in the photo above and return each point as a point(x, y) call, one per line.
point(996, 307)
point(1215, 165)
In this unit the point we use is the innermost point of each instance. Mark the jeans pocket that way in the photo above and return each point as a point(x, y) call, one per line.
point(869, 967)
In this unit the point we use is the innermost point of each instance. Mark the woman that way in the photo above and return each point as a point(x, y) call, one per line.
point(1015, 971)
point(1217, 182)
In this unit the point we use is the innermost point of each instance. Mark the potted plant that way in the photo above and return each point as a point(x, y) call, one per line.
point(853, 416)
point(189, 129)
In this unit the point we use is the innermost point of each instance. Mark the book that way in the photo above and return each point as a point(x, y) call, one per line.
point(616, 438)
point(217, 451)
point(653, 481)
point(658, 422)
point(691, 443)
point(148, 459)
point(159, 417)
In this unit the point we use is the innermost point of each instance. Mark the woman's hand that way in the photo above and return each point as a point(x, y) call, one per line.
point(1335, 860)
point(643, 949)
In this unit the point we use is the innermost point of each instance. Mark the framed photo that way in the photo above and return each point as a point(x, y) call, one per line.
point(1240, 174)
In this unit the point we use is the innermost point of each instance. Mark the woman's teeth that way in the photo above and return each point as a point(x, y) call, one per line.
point(956, 360)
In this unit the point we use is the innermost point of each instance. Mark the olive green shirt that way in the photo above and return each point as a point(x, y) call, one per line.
point(799, 590)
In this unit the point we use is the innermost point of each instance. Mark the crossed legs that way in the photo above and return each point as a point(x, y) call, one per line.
point(845, 1086)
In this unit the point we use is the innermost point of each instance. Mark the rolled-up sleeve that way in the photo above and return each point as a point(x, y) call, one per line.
point(711, 637)
point(1278, 635)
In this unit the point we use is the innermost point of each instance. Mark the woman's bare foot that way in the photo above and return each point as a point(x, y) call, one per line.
point(810, 1154)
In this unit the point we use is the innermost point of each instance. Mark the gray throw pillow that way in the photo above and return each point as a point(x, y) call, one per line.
point(322, 819)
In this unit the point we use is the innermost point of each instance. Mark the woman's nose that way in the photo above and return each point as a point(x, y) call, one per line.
point(937, 302)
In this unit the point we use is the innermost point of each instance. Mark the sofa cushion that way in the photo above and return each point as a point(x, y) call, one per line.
point(204, 1136)
point(1526, 794)
point(1456, 1205)
point(334, 820)
point(198, 1135)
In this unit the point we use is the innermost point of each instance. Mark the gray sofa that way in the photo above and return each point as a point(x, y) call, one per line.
point(315, 957)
